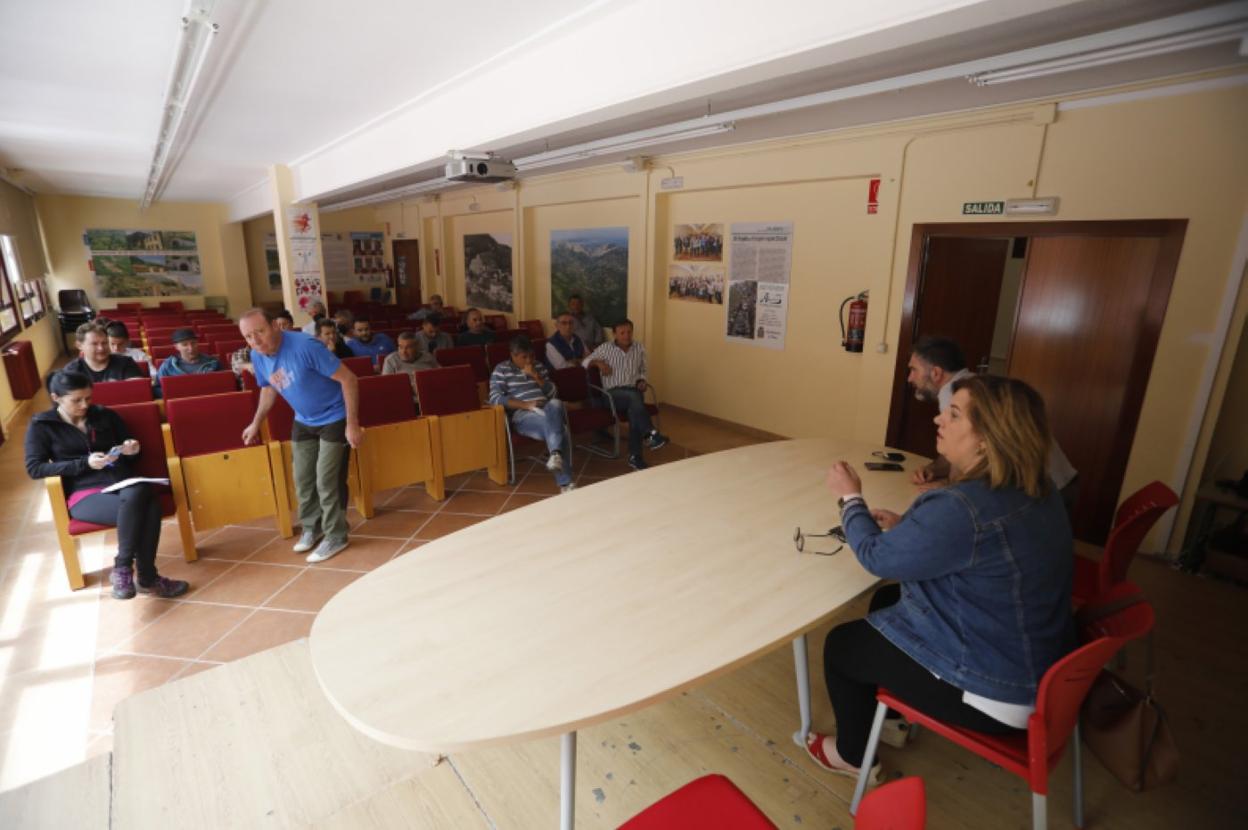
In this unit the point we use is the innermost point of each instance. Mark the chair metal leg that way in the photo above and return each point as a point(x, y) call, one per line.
point(868, 758)
point(1039, 816)
point(511, 458)
point(567, 781)
point(802, 670)
point(1077, 749)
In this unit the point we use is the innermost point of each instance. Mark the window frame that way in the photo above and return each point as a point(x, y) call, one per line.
point(8, 303)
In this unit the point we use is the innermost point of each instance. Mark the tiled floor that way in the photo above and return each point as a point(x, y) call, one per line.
point(67, 658)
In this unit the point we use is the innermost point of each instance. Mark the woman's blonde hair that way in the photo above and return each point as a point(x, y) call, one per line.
point(1008, 416)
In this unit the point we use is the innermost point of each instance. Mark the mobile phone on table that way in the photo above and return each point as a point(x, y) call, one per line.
point(883, 466)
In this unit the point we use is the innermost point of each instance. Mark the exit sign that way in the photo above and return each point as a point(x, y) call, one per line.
point(983, 208)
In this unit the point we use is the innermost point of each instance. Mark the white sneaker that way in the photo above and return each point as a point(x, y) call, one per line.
point(555, 462)
point(306, 542)
point(325, 550)
point(567, 488)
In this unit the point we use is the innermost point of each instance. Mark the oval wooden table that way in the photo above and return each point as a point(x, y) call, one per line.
point(581, 608)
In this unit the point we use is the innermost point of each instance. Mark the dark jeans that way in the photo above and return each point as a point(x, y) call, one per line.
point(135, 512)
point(321, 458)
point(857, 660)
point(629, 401)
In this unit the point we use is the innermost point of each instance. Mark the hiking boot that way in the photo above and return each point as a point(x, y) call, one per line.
point(122, 580)
point(326, 549)
point(165, 588)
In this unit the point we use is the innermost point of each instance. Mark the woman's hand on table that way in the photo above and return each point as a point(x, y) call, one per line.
point(842, 480)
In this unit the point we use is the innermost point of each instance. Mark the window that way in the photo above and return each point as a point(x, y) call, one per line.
point(9, 323)
point(25, 293)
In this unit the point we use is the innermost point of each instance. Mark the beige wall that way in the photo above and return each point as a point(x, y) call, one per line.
point(221, 251)
point(1118, 160)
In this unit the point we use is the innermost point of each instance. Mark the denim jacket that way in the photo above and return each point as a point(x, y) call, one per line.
point(985, 585)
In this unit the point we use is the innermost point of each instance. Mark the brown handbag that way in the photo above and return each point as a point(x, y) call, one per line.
point(1128, 732)
point(1124, 727)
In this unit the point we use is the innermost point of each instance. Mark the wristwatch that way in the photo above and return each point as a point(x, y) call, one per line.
point(847, 500)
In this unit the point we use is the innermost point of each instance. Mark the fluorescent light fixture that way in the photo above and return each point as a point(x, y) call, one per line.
point(1116, 54)
point(440, 183)
point(1044, 206)
point(622, 143)
point(193, 43)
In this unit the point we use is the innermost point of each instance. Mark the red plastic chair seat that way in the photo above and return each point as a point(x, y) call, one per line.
point(711, 802)
point(471, 356)
point(898, 805)
point(361, 365)
point(80, 528)
point(447, 391)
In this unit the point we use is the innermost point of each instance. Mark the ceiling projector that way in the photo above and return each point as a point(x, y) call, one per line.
point(484, 167)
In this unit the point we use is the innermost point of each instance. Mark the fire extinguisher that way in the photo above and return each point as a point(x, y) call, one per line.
point(852, 339)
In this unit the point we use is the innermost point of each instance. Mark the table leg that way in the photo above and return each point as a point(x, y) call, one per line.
point(567, 782)
point(803, 688)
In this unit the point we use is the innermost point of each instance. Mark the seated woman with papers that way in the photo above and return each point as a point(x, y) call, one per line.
point(90, 448)
point(985, 567)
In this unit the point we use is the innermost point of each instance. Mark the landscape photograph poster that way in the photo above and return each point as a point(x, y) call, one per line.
point(758, 282)
point(694, 282)
point(591, 262)
point(144, 263)
point(487, 270)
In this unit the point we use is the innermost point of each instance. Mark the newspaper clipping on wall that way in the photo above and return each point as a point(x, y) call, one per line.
point(761, 256)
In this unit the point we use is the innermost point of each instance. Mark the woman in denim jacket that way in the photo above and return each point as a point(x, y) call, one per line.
point(984, 566)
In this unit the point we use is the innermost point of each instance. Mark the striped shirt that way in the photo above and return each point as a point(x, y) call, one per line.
point(509, 382)
point(627, 367)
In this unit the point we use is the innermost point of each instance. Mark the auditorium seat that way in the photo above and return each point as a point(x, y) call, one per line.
point(207, 383)
point(143, 422)
point(117, 392)
point(221, 480)
point(398, 444)
point(362, 365)
point(466, 435)
point(533, 328)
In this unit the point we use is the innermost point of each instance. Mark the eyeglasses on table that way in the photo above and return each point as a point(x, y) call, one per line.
point(799, 539)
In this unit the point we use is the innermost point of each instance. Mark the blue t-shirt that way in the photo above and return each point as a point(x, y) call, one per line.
point(300, 373)
point(379, 346)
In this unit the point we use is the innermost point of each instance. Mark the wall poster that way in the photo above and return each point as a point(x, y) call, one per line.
point(366, 247)
point(272, 263)
point(305, 259)
point(144, 263)
point(591, 262)
point(758, 282)
point(695, 283)
point(487, 271)
point(698, 243)
point(336, 257)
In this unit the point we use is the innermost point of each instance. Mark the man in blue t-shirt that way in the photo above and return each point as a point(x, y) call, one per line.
point(325, 397)
point(365, 343)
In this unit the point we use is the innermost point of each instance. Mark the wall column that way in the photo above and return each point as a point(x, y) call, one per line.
point(298, 228)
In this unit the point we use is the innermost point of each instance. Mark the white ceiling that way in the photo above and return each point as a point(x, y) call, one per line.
point(358, 97)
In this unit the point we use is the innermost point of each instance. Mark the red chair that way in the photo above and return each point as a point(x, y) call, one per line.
point(533, 328)
point(120, 392)
point(362, 365)
point(160, 352)
point(398, 447)
point(471, 356)
point(218, 331)
point(228, 344)
point(711, 802)
point(507, 335)
point(574, 388)
point(447, 391)
point(498, 322)
point(1033, 754)
point(171, 305)
point(129, 306)
point(205, 383)
point(143, 422)
point(496, 353)
point(212, 472)
point(143, 367)
point(1134, 519)
point(898, 805)
point(450, 327)
point(539, 350)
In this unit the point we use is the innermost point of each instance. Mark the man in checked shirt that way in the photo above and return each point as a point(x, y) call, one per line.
point(623, 367)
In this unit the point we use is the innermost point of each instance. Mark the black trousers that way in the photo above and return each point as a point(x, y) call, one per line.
point(858, 659)
point(135, 512)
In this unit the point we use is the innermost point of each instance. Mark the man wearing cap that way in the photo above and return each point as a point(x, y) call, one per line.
point(188, 360)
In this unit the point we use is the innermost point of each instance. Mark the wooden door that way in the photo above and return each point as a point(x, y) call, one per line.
point(407, 273)
point(959, 285)
point(1089, 316)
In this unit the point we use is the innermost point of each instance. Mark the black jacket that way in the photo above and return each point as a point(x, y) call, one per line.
point(119, 367)
point(55, 448)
